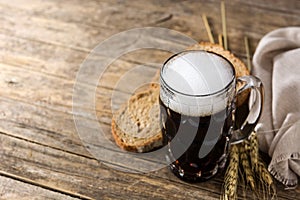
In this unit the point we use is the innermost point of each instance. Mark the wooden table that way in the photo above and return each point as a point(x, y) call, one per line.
point(43, 44)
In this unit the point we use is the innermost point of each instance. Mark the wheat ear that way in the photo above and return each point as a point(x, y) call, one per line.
point(259, 168)
point(252, 144)
point(231, 175)
point(265, 178)
point(247, 167)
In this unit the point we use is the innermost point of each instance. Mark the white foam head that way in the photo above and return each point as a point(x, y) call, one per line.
point(195, 82)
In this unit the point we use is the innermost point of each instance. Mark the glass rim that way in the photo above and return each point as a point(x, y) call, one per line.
point(221, 91)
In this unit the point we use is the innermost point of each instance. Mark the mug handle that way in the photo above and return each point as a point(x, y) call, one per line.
point(256, 100)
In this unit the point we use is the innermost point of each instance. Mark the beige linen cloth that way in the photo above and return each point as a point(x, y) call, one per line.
point(276, 62)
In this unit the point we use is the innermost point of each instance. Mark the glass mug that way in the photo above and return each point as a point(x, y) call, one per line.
point(197, 112)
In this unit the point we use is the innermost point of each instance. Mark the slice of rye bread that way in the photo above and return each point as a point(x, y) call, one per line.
point(135, 126)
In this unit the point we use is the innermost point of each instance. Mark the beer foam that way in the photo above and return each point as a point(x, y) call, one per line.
point(193, 83)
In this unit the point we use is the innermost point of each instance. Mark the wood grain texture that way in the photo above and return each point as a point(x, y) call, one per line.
point(43, 44)
point(12, 189)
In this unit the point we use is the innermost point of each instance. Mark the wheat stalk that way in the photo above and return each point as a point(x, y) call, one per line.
point(246, 40)
point(231, 175)
point(223, 14)
point(244, 160)
point(265, 178)
point(208, 30)
point(267, 186)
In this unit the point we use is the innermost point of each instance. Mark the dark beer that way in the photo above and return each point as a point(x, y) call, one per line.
point(200, 147)
point(198, 113)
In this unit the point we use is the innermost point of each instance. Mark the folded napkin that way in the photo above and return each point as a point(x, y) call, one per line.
point(277, 63)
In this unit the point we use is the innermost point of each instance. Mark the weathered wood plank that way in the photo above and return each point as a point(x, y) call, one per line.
point(60, 170)
point(76, 174)
point(63, 62)
point(15, 189)
point(56, 93)
point(96, 27)
point(252, 19)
